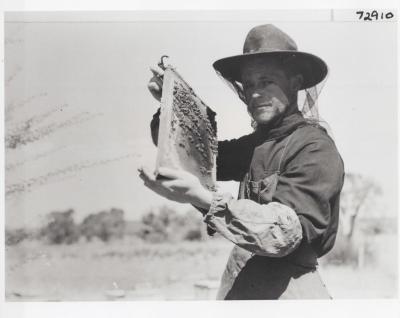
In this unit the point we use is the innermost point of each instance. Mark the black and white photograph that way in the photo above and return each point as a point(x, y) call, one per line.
point(201, 155)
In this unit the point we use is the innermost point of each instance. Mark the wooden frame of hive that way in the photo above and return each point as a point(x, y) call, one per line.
point(187, 137)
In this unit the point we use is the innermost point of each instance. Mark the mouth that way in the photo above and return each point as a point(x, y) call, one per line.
point(264, 105)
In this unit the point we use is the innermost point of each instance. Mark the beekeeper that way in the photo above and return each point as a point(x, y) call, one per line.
point(290, 174)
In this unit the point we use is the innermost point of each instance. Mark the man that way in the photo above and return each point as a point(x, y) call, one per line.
point(290, 171)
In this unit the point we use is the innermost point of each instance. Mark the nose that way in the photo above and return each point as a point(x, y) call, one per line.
point(253, 98)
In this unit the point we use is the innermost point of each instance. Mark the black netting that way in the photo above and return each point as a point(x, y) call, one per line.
point(308, 98)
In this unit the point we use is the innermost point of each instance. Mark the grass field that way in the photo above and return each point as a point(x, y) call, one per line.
point(134, 270)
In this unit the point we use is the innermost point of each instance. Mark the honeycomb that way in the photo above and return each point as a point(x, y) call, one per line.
point(187, 137)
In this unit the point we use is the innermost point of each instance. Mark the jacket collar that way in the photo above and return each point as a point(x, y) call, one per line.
point(282, 128)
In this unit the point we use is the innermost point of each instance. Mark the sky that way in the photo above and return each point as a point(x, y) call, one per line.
point(83, 81)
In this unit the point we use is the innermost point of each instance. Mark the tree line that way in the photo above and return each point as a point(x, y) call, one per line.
point(157, 225)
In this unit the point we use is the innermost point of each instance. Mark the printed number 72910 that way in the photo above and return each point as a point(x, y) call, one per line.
point(374, 15)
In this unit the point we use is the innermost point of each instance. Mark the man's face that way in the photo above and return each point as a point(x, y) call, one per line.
point(268, 89)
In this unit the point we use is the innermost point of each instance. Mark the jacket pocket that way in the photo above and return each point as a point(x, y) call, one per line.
point(262, 190)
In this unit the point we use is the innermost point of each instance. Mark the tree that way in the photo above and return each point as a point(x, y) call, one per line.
point(357, 195)
point(106, 225)
point(165, 224)
point(61, 228)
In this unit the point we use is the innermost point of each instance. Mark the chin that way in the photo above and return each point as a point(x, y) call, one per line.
point(264, 120)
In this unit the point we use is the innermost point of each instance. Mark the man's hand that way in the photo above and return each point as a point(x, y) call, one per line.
point(156, 82)
point(177, 185)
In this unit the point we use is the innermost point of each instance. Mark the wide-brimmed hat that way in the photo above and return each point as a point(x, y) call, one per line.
point(268, 41)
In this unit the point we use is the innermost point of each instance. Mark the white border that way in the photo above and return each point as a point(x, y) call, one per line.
point(99, 5)
point(298, 309)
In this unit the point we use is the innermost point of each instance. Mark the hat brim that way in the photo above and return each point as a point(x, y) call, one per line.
point(311, 67)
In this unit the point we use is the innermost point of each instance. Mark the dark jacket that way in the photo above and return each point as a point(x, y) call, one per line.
point(309, 174)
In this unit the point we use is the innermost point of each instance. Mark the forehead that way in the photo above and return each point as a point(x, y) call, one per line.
point(260, 67)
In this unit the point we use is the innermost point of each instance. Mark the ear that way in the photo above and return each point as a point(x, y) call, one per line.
point(296, 81)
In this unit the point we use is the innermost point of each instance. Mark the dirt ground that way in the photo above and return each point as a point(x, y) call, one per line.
point(133, 270)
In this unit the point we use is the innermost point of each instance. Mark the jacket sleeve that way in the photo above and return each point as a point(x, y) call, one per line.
point(265, 229)
point(154, 126)
point(310, 184)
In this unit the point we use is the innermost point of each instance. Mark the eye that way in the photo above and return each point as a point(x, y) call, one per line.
point(247, 86)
